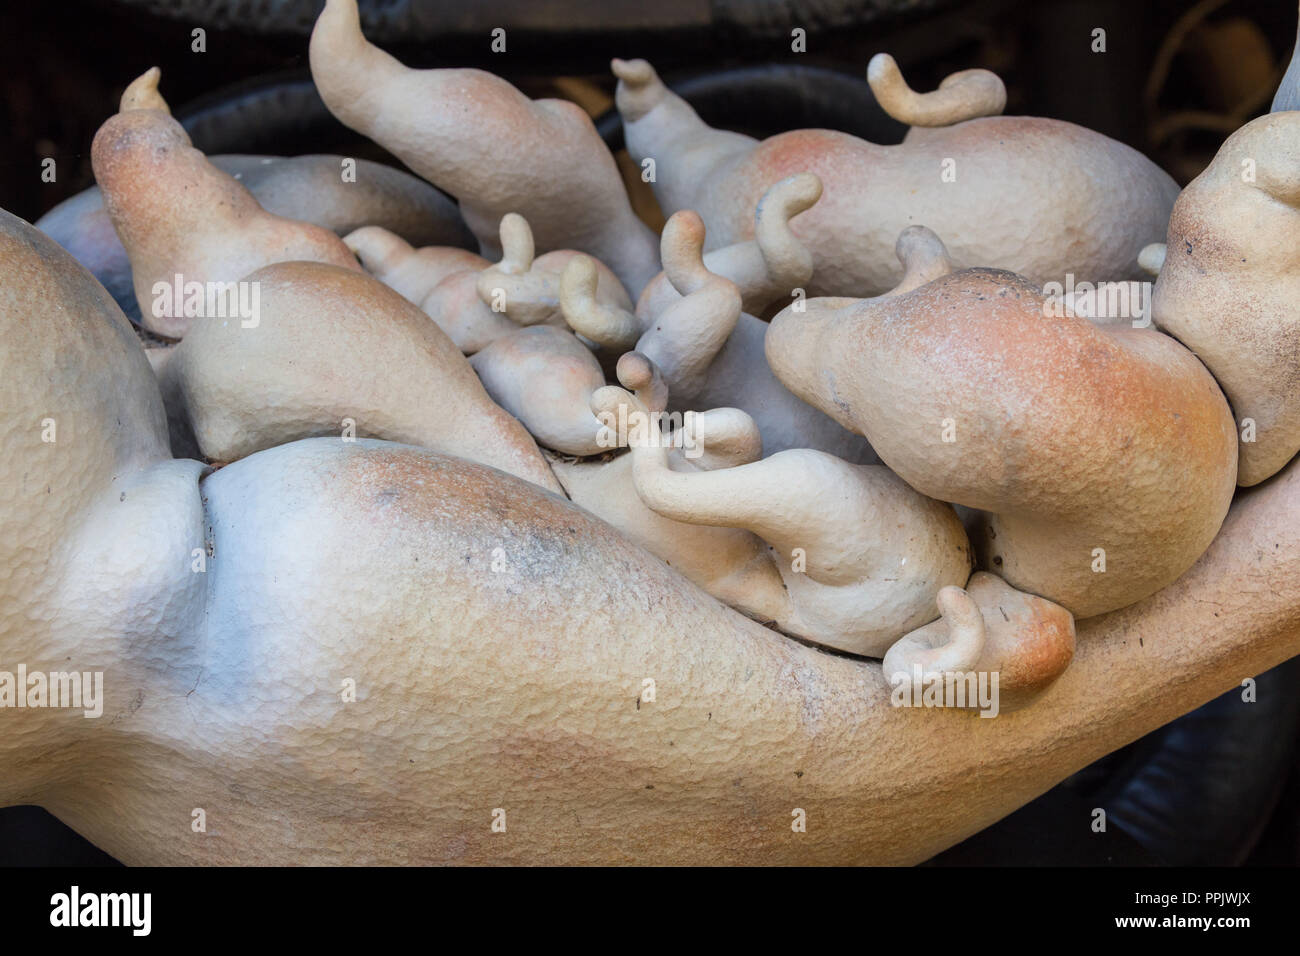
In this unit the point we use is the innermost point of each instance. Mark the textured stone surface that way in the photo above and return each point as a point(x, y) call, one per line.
point(477, 137)
point(518, 689)
point(308, 188)
point(177, 214)
point(332, 345)
point(499, 638)
point(1074, 436)
point(1039, 197)
point(1230, 286)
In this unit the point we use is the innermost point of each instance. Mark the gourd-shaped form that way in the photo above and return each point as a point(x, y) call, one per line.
point(83, 410)
point(545, 377)
point(441, 280)
point(526, 287)
point(499, 638)
point(1229, 286)
point(1040, 197)
point(861, 556)
point(477, 137)
point(474, 301)
point(1105, 455)
point(179, 216)
point(507, 316)
point(309, 188)
point(694, 321)
point(336, 352)
point(734, 565)
point(988, 628)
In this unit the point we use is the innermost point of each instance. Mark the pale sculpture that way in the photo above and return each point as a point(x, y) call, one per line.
point(422, 570)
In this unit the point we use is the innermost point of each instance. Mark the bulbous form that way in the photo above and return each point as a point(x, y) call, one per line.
point(1229, 287)
point(1105, 455)
point(499, 638)
point(336, 352)
point(1040, 197)
point(477, 137)
point(179, 216)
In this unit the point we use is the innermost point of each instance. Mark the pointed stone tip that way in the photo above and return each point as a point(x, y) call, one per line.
point(880, 67)
point(633, 72)
point(634, 371)
point(517, 249)
point(142, 93)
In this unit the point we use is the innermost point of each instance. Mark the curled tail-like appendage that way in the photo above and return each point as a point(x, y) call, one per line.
point(965, 636)
point(642, 377)
point(924, 258)
point(517, 247)
point(962, 96)
point(639, 403)
point(530, 291)
point(688, 334)
point(382, 253)
point(639, 88)
point(725, 437)
point(769, 267)
point(1014, 644)
point(526, 296)
point(350, 72)
point(604, 323)
point(787, 261)
point(681, 249)
point(713, 498)
point(415, 274)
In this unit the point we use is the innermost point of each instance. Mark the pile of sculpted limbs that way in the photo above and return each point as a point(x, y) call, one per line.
point(597, 546)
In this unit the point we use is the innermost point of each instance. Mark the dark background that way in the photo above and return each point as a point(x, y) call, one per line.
point(1220, 785)
point(65, 64)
